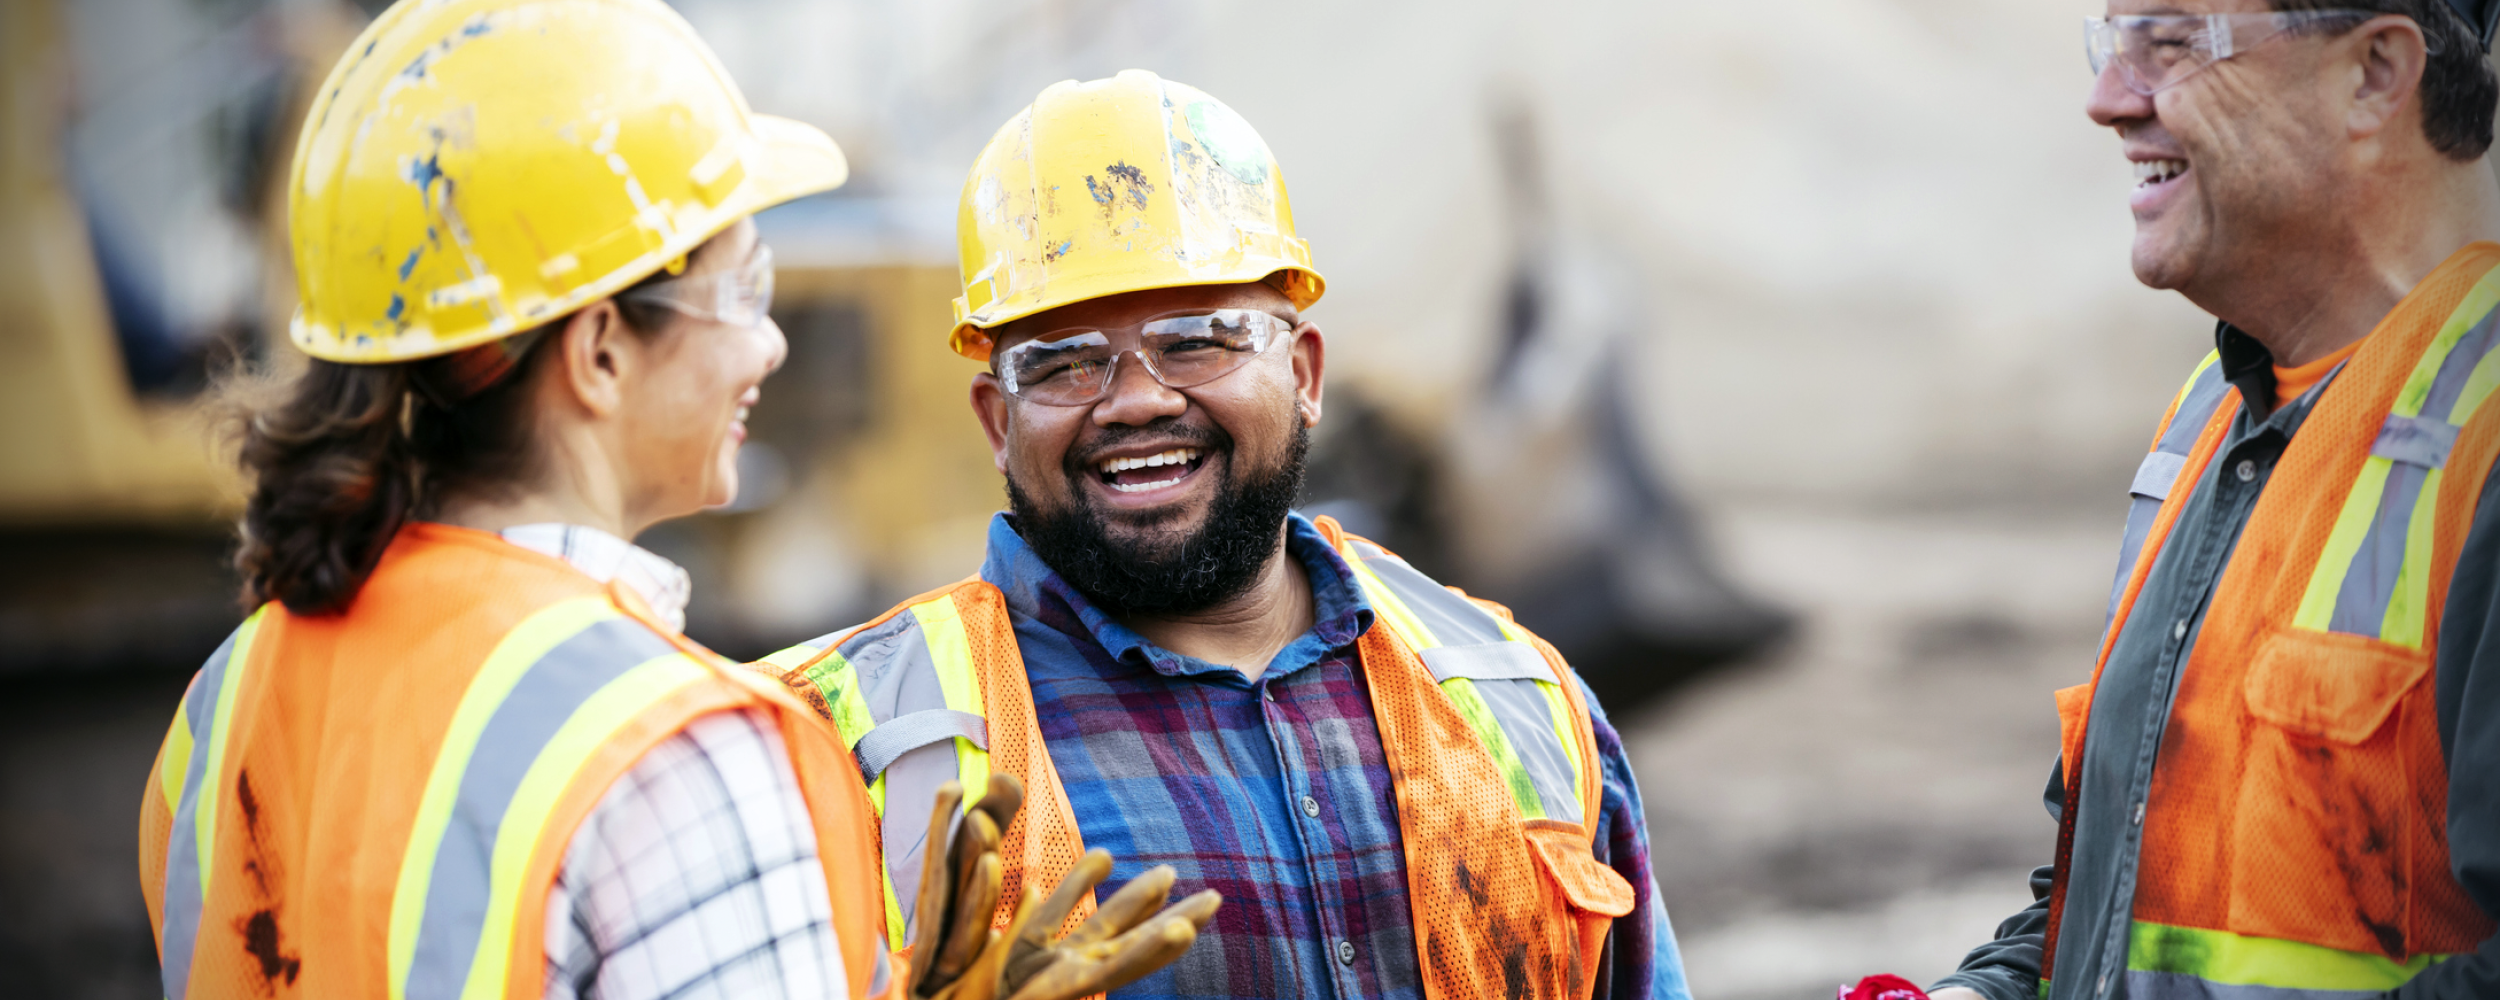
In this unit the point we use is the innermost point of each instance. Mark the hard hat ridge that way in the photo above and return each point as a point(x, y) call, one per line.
point(476, 168)
point(1120, 185)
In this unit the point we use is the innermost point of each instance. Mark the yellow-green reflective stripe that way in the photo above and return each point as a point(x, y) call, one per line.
point(786, 660)
point(525, 822)
point(2477, 303)
point(220, 735)
point(1479, 716)
point(513, 656)
point(838, 681)
point(1387, 607)
point(177, 763)
point(893, 911)
point(2180, 399)
point(950, 651)
point(2317, 604)
point(2224, 957)
point(2409, 601)
point(2478, 387)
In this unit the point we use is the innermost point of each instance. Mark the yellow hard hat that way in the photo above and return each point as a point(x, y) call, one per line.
point(475, 168)
point(1120, 185)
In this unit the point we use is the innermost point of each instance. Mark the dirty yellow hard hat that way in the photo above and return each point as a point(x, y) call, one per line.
point(1120, 185)
point(473, 169)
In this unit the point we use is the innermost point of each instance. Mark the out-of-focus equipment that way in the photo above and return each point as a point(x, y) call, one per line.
point(451, 188)
point(958, 955)
point(1120, 185)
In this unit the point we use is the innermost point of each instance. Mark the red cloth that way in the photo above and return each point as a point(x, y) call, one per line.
point(1883, 988)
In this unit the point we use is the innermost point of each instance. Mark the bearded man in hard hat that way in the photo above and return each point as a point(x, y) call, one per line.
point(1400, 791)
point(461, 748)
point(2283, 780)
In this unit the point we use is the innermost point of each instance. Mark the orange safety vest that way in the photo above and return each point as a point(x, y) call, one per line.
point(2295, 838)
point(375, 803)
point(1489, 747)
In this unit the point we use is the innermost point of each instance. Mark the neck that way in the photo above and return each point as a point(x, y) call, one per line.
point(1246, 631)
point(576, 484)
point(2331, 290)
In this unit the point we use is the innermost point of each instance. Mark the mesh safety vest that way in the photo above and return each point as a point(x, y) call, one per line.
point(1487, 740)
point(2295, 840)
point(376, 803)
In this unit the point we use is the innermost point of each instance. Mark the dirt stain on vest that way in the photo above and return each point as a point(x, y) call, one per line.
point(262, 938)
point(2360, 837)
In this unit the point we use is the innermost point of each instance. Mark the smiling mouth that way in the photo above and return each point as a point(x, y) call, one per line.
point(1149, 472)
point(2151, 172)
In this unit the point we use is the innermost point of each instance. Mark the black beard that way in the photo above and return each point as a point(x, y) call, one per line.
point(1211, 566)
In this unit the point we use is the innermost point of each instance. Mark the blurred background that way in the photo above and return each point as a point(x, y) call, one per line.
point(1781, 363)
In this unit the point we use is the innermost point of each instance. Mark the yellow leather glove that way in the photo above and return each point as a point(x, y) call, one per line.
point(957, 956)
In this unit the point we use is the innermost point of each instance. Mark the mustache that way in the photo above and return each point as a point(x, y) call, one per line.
point(1169, 431)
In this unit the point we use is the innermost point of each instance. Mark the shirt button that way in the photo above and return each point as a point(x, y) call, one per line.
point(2179, 631)
point(2102, 987)
point(2139, 814)
point(2247, 471)
point(1271, 694)
point(1310, 807)
point(1345, 952)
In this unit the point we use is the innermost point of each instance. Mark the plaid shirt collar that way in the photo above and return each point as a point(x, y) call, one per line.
point(1339, 610)
point(604, 557)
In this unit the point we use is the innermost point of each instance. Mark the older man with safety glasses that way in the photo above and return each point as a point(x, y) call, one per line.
point(2283, 777)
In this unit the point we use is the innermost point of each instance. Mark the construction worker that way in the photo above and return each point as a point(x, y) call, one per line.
point(461, 748)
point(1400, 792)
point(2283, 780)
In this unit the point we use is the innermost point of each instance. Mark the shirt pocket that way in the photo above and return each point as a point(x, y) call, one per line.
point(2331, 686)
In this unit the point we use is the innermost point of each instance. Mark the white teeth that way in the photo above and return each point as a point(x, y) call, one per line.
point(1176, 456)
point(2157, 171)
point(1143, 487)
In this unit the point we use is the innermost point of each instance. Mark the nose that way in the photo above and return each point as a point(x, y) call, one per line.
point(779, 343)
point(2111, 103)
point(1135, 398)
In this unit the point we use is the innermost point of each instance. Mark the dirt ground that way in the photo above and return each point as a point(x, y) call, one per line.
point(1868, 799)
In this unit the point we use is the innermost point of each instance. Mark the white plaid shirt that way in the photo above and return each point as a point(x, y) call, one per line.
point(696, 875)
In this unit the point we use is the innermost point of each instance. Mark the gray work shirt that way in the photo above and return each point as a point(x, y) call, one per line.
point(2131, 706)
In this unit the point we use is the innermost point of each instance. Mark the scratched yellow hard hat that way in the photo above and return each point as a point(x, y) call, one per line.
point(475, 168)
point(1120, 185)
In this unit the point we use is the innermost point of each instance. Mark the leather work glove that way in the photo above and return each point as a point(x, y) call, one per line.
point(956, 955)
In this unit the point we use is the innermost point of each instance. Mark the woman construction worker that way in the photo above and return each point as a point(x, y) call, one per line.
point(461, 749)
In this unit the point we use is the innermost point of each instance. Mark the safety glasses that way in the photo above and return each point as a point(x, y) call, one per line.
point(1076, 366)
point(2155, 52)
point(740, 297)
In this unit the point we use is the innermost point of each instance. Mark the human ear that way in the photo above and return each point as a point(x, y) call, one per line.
point(989, 405)
point(2389, 54)
point(594, 360)
point(1310, 362)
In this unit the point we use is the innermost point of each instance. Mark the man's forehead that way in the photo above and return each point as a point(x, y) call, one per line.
point(2119, 8)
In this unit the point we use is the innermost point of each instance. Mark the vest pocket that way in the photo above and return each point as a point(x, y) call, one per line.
point(1562, 849)
point(2323, 816)
point(2330, 685)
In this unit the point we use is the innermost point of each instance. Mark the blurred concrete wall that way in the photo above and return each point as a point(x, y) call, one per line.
point(1882, 250)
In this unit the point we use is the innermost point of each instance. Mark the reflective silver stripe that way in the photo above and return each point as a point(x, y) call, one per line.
point(2370, 582)
point(1505, 674)
point(181, 928)
point(897, 677)
point(2143, 985)
point(1488, 661)
point(2458, 368)
point(904, 734)
point(2157, 473)
point(457, 896)
point(1523, 713)
point(1454, 620)
point(2417, 441)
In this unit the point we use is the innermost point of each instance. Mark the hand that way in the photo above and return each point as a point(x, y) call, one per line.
point(957, 956)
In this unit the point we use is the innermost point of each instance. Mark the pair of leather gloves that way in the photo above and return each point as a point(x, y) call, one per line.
point(957, 955)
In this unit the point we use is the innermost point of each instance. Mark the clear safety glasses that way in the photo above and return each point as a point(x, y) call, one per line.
point(739, 297)
point(1076, 366)
point(2155, 52)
